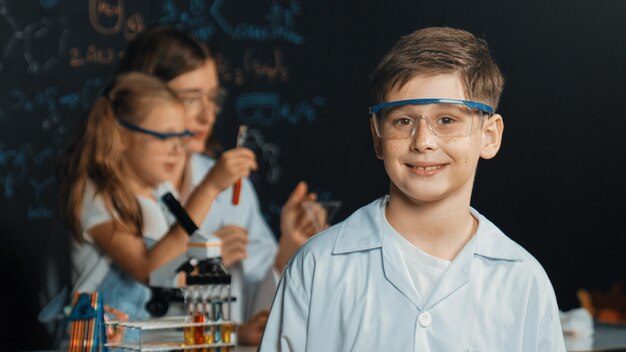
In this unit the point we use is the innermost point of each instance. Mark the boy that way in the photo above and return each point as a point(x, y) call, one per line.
point(420, 270)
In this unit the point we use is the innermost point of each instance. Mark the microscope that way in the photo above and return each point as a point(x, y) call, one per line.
point(201, 258)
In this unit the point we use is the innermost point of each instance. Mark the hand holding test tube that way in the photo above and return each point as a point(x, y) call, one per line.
point(241, 138)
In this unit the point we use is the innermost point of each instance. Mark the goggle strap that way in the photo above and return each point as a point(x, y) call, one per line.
point(471, 104)
point(159, 135)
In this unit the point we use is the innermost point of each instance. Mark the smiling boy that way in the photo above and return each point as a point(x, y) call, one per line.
point(420, 269)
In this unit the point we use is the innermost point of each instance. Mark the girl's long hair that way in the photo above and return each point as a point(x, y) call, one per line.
point(96, 154)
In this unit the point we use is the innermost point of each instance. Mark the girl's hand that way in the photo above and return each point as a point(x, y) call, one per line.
point(230, 167)
point(234, 244)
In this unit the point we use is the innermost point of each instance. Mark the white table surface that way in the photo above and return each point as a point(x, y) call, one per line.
point(606, 337)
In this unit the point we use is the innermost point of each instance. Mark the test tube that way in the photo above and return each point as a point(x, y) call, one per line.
point(241, 138)
point(216, 302)
point(200, 314)
point(189, 304)
point(228, 328)
point(210, 311)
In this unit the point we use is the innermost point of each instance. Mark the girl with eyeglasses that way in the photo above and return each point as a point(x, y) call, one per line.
point(132, 140)
point(249, 248)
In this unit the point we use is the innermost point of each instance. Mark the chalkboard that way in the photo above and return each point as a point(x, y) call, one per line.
point(297, 72)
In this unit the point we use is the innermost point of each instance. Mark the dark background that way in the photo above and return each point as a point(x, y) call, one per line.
point(297, 72)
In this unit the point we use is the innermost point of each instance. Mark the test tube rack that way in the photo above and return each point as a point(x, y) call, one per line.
point(167, 334)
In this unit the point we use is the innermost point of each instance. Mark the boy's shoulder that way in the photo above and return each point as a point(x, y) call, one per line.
point(359, 231)
point(493, 244)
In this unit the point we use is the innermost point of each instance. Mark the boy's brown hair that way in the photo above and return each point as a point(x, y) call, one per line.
point(440, 50)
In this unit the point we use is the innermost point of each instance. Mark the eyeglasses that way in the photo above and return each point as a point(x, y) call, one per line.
point(180, 137)
point(446, 118)
point(197, 101)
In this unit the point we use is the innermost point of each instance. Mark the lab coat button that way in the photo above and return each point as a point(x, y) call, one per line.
point(425, 319)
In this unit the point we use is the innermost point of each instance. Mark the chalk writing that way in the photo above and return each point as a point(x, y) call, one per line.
point(53, 100)
point(202, 20)
point(281, 23)
point(94, 55)
point(37, 212)
point(19, 166)
point(109, 17)
point(269, 153)
point(42, 42)
point(193, 18)
point(270, 68)
point(228, 73)
point(265, 66)
point(196, 14)
point(106, 17)
point(267, 109)
point(273, 70)
point(134, 25)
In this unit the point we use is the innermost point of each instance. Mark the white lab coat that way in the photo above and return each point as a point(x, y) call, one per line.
point(347, 289)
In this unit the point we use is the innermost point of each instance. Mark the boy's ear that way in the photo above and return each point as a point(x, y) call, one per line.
point(492, 136)
point(378, 142)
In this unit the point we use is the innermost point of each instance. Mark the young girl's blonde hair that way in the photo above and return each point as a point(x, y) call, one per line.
point(96, 154)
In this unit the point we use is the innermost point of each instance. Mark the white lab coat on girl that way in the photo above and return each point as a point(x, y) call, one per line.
point(348, 289)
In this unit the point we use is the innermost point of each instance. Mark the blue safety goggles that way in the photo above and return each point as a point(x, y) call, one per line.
point(159, 135)
point(471, 104)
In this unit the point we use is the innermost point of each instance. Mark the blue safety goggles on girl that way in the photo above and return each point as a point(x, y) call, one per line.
point(159, 135)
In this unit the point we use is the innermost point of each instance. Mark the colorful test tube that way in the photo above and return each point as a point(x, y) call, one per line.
point(241, 138)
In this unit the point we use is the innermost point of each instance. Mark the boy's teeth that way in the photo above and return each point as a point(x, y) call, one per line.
point(427, 168)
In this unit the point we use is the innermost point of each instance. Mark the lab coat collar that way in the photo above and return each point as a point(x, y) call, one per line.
point(367, 221)
point(490, 242)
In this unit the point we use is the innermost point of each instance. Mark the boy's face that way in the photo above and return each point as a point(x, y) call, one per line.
point(427, 168)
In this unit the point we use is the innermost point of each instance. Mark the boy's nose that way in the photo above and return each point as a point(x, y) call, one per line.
point(423, 137)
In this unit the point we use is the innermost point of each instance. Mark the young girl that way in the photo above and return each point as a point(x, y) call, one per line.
point(133, 139)
point(190, 70)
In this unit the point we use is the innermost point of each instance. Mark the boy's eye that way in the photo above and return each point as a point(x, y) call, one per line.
point(445, 120)
point(402, 122)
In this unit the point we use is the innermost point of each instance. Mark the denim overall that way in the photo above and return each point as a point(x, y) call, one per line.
point(120, 291)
